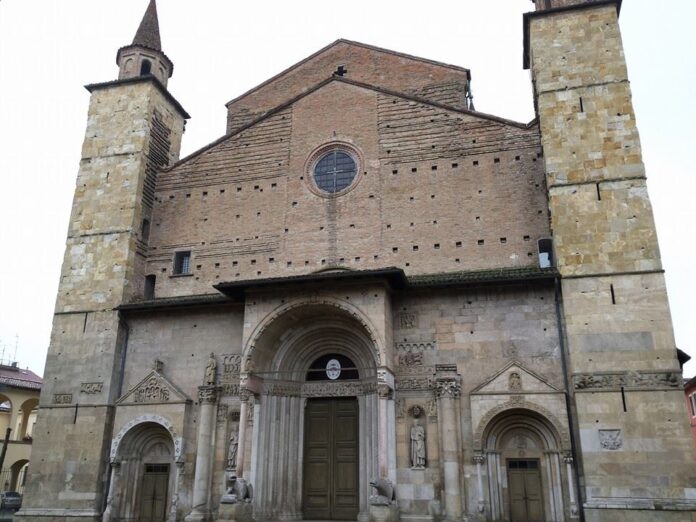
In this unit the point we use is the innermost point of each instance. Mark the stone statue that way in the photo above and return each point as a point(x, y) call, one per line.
point(384, 492)
point(232, 452)
point(515, 381)
point(417, 445)
point(211, 371)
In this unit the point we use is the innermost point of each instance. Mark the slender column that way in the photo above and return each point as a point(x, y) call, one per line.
point(448, 391)
point(568, 458)
point(383, 392)
point(479, 460)
point(241, 440)
point(207, 396)
point(175, 495)
point(111, 510)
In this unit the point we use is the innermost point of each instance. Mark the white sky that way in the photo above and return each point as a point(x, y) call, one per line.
point(49, 49)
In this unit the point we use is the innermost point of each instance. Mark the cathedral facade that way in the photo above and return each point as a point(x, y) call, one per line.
point(367, 300)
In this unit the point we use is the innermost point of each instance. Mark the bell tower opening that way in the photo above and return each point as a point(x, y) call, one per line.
point(145, 68)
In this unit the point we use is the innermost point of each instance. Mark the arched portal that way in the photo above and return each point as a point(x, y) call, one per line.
point(284, 353)
point(144, 477)
point(525, 480)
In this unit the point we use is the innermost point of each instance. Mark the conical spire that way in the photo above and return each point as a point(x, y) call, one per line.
point(148, 34)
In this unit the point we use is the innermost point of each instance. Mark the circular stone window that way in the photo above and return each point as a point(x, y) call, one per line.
point(335, 171)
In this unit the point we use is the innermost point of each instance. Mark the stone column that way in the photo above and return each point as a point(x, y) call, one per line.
point(448, 391)
point(385, 387)
point(479, 459)
point(111, 511)
point(241, 439)
point(383, 392)
point(174, 507)
point(568, 458)
point(207, 396)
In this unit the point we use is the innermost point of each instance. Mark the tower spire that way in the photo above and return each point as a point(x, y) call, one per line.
point(148, 34)
point(144, 57)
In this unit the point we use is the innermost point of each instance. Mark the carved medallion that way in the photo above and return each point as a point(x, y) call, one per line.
point(610, 440)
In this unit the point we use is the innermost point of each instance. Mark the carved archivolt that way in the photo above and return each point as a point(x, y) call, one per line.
point(349, 309)
point(517, 404)
point(143, 419)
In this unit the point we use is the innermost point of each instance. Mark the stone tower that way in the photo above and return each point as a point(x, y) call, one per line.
point(134, 126)
point(633, 439)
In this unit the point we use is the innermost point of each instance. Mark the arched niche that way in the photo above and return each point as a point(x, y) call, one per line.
point(291, 319)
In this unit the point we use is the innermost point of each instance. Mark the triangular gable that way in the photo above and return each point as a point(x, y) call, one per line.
point(278, 111)
point(155, 388)
point(515, 378)
point(348, 44)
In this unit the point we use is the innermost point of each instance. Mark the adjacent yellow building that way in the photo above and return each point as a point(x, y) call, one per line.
point(19, 400)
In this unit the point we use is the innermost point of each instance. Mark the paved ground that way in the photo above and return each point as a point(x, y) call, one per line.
point(6, 515)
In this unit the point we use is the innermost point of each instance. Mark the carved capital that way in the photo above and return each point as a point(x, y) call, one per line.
point(568, 458)
point(383, 391)
point(207, 394)
point(479, 458)
point(448, 388)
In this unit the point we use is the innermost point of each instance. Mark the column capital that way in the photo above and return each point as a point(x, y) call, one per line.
point(479, 458)
point(383, 391)
point(448, 388)
point(207, 394)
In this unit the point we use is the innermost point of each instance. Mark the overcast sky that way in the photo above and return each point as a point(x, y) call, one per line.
point(49, 49)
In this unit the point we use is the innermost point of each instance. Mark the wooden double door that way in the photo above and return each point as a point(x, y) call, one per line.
point(330, 490)
point(153, 495)
point(524, 481)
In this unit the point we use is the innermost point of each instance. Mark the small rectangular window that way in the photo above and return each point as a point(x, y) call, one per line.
point(150, 286)
point(545, 253)
point(145, 230)
point(182, 263)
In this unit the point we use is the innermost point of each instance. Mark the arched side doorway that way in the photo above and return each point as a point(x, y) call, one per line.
point(294, 409)
point(525, 478)
point(144, 477)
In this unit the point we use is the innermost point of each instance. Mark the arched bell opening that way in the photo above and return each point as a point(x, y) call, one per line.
point(143, 482)
point(293, 362)
point(525, 474)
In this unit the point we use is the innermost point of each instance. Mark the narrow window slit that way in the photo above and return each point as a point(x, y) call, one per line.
point(582, 106)
point(623, 399)
point(599, 193)
point(613, 295)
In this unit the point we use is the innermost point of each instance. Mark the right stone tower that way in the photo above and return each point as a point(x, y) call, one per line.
point(635, 456)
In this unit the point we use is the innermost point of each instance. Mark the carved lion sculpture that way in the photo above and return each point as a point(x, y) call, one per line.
point(384, 492)
point(237, 491)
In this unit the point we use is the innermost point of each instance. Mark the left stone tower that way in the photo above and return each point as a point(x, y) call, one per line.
point(134, 127)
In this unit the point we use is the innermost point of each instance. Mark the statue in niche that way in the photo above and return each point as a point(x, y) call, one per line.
point(515, 381)
point(232, 451)
point(417, 440)
point(211, 371)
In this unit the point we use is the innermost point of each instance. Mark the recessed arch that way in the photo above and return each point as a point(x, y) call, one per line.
point(276, 331)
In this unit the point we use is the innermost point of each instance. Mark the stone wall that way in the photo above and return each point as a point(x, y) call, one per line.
point(439, 190)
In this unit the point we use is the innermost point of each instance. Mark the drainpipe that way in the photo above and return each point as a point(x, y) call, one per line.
point(572, 417)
